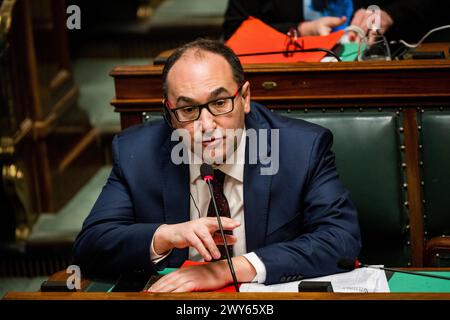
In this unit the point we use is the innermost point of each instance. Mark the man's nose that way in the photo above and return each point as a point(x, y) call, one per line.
point(206, 119)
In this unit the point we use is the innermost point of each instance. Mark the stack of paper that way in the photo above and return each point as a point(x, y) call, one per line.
point(358, 280)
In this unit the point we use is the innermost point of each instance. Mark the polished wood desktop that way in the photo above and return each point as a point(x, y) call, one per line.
point(222, 296)
point(80, 295)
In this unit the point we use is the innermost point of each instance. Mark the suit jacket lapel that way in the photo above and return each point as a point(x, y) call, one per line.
point(256, 191)
point(176, 196)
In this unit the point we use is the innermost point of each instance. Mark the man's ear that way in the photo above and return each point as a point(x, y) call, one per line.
point(246, 96)
point(166, 114)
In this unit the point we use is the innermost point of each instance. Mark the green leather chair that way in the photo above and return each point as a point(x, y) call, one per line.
point(435, 139)
point(368, 159)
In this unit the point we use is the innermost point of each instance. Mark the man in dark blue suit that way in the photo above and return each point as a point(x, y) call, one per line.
point(288, 214)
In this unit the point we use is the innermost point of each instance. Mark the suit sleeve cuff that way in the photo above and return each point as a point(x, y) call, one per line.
point(258, 265)
point(154, 257)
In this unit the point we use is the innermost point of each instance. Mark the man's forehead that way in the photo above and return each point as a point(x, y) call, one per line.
point(197, 53)
point(208, 70)
point(193, 59)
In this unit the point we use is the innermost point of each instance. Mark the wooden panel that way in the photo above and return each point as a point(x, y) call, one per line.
point(222, 296)
point(311, 85)
point(44, 97)
point(414, 203)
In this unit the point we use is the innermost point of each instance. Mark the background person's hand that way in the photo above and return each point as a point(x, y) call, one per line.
point(363, 18)
point(199, 234)
point(320, 27)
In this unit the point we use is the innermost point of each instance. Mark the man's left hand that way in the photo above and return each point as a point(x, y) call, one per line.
point(205, 277)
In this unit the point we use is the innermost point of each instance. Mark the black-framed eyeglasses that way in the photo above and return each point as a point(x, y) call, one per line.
point(217, 107)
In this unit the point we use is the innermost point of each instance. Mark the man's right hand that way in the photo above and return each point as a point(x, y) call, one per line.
point(199, 234)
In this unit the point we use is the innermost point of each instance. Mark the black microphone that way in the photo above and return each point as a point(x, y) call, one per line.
point(351, 264)
point(207, 173)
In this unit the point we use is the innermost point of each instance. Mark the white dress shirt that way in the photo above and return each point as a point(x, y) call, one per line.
point(234, 192)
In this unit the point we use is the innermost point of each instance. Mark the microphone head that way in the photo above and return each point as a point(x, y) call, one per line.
point(348, 264)
point(206, 171)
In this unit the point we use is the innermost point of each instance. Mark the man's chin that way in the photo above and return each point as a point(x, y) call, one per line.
point(214, 158)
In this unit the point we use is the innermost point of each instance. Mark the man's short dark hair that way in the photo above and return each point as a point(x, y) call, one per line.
point(207, 45)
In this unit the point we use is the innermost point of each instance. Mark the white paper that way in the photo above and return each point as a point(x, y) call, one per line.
point(358, 280)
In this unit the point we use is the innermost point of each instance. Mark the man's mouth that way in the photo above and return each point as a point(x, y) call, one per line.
point(210, 141)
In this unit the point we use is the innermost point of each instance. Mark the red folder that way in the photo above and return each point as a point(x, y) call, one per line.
point(254, 36)
point(189, 263)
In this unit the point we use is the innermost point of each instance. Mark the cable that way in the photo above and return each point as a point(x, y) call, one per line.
point(193, 200)
point(291, 51)
point(413, 46)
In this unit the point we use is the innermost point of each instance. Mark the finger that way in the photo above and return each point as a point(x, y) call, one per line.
point(228, 237)
point(185, 287)
point(196, 243)
point(177, 281)
point(368, 17)
point(364, 28)
point(358, 17)
point(163, 284)
point(159, 288)
point(164, 288)
point(227, 224)
point(169, 286)
point(208, 242)
point(324, 31)
point(332, 22)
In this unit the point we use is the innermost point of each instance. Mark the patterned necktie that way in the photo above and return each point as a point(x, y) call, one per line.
point(222, 207)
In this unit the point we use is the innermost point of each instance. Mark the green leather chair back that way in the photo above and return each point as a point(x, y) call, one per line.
point(435, 139)
point(368, 159)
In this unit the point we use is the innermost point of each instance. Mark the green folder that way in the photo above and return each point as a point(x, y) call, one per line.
point(166, 271)
point(349, 51)
point(401, 282)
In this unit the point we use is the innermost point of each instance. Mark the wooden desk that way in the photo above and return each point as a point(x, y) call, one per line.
point(222, 296)
point(407, 83)
point(62, 276)
point(414, 83)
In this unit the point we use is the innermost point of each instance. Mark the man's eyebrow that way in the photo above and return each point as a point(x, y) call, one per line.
point(214, 94)
point(217, 92)
point(185, 99)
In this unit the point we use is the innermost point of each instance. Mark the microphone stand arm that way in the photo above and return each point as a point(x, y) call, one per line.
point(230, 264)
point(407, 272)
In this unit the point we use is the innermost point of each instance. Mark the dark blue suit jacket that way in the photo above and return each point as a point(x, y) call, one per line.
point(299, 221)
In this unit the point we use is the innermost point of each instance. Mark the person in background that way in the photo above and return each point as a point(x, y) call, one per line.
point(309, 17)
point(408, 20)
